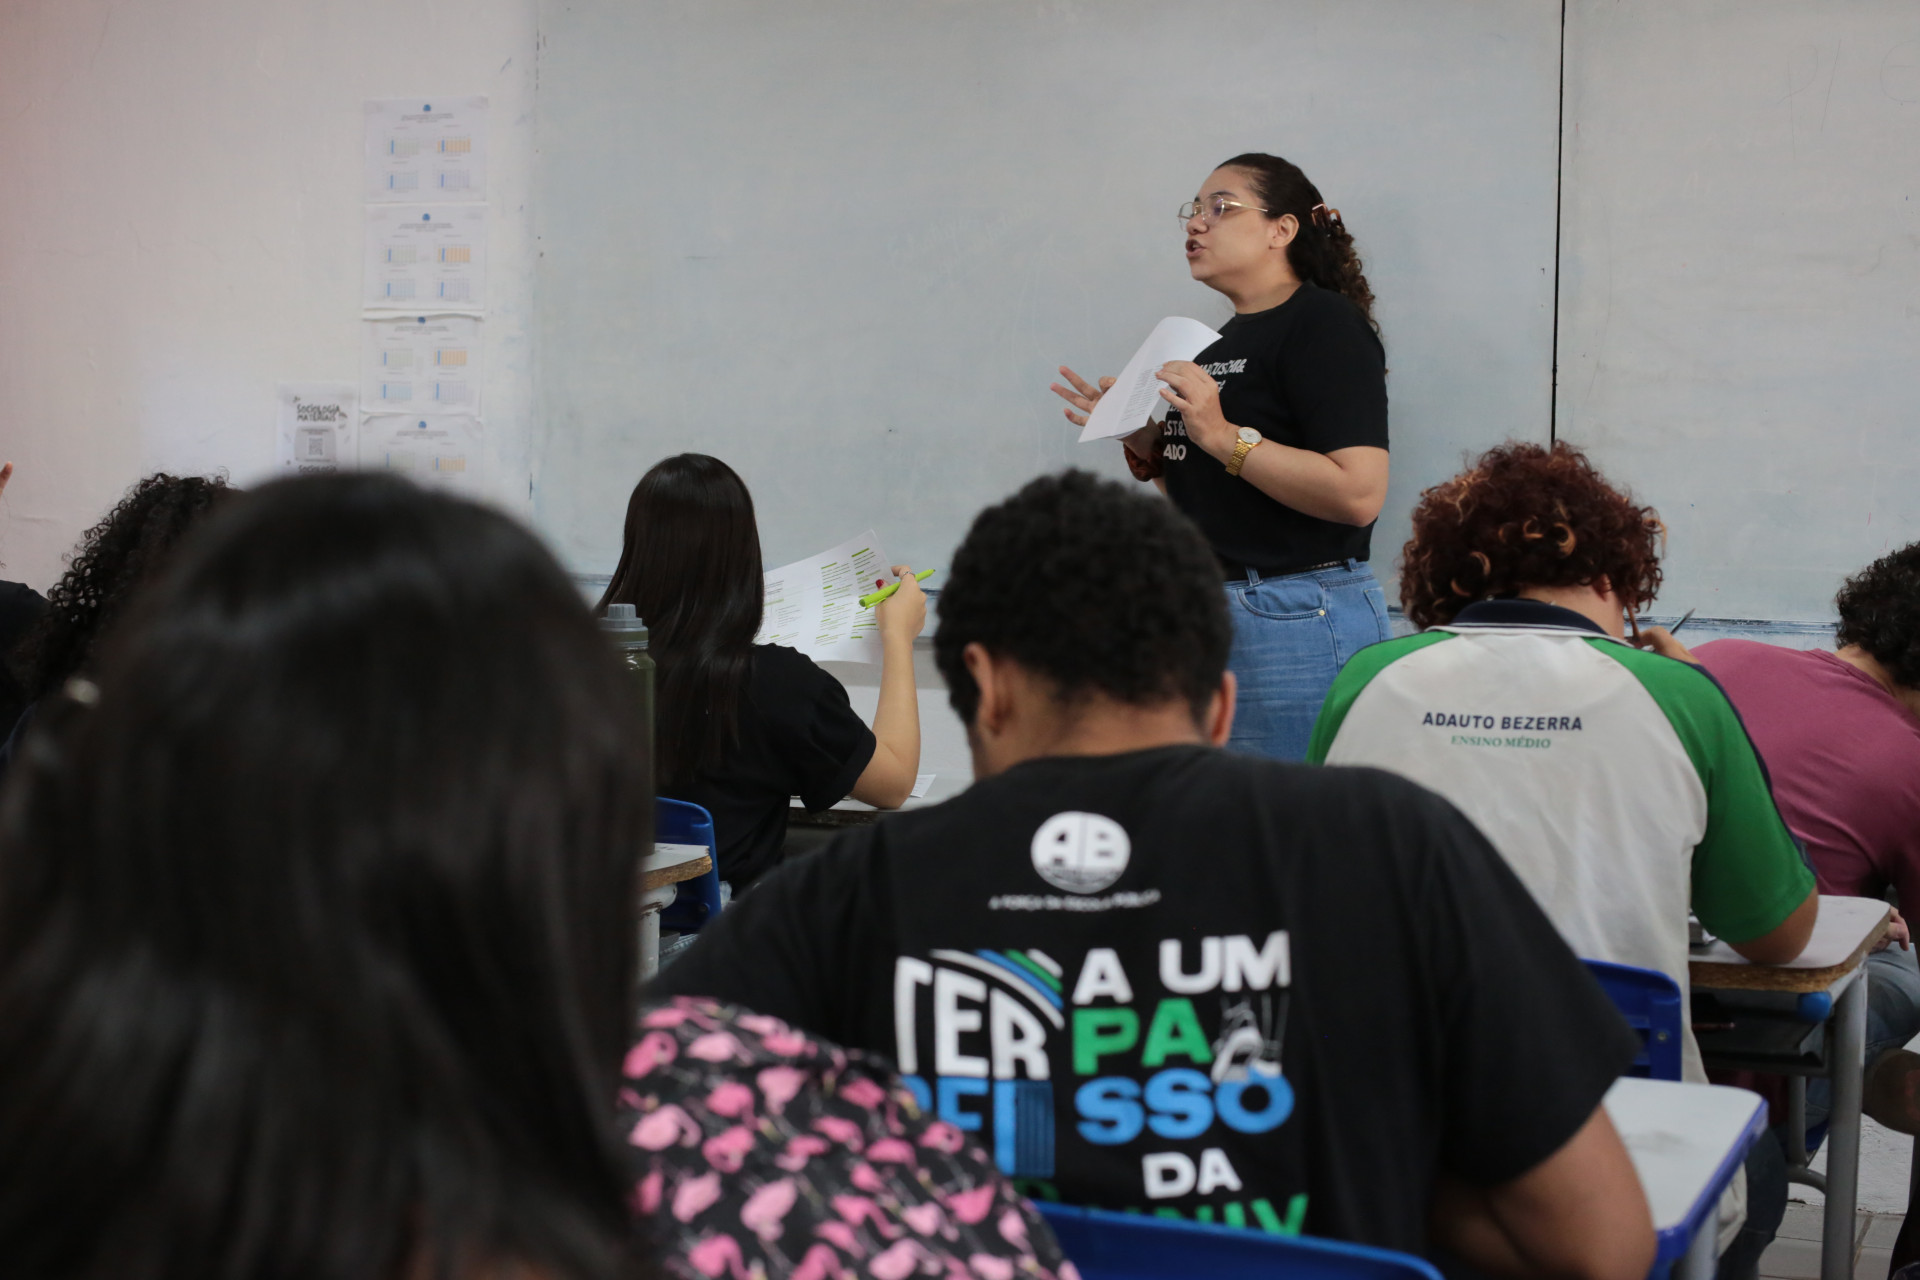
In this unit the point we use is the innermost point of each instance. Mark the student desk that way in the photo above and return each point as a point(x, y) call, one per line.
point(1829, 968)
point(1688, 1143)
point(660, 871)
point(853, 813)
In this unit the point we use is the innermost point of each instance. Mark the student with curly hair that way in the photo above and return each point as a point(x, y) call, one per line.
point(1276, 440)
point(1617, 783)
point(129, 546)
point(1125, 960)
point(1840, 733)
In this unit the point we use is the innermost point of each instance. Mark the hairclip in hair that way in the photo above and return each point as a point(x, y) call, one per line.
point(1327, 219)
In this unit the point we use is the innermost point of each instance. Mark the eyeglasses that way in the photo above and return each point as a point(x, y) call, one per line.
point(1213, 208)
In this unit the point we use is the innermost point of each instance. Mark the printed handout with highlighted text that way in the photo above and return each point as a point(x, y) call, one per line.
point(813, 605)
point(421, 150)
point(1136, 393)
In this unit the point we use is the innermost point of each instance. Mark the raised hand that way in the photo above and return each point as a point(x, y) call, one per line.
point(1083, 397)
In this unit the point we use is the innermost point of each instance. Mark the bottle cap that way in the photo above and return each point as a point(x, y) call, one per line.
point(622, 623)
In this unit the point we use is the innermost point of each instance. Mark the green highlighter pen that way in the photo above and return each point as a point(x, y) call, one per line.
point(873, 598)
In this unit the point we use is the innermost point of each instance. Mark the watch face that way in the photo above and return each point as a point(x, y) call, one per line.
point(1249, 436)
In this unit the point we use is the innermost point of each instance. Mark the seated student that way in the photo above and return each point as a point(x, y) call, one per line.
point(1617, 783)
point(375, 734)
point(740, 727)
point(129, 546)
point(1152, 974)
point(765, 1152)
point(1840, 733)
point(316, 929)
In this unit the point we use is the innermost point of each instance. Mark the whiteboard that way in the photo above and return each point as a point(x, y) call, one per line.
point(844, 244)
point(1740, 286)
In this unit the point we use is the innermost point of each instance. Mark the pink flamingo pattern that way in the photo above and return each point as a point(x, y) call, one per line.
point(762, 1153)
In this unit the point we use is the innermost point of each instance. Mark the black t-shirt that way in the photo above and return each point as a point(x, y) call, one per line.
point(1309, 373)
point(798, 737)
point(20, 607)
point(1188, 981)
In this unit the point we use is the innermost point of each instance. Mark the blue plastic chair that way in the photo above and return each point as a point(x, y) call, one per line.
point(683, 822)
point(1130, 1246)
point(1651, 1004)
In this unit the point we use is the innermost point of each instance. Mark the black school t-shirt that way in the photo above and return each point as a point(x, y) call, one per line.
point(1193, 983)
point(1309, 373)
point(798, 737)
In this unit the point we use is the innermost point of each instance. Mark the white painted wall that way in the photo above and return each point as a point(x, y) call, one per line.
point(180, 228)
point(1740, 285)
point(844, 244)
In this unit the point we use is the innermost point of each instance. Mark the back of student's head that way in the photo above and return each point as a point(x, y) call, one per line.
point(316, 912)
point(690, 565)
point(1525, 516)
point(1096, 588)
point(128, 546)
point(1880, 612)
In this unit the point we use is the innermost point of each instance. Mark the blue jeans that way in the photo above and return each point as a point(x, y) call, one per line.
point(1893, 1017)
point(1291, 636)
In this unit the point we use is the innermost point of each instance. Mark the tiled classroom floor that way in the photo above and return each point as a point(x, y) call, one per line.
point(1795, 1252)
point(1885, 1157)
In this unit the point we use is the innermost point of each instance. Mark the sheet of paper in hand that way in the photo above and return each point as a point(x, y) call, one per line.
point(813, 605)
point(1126, 408)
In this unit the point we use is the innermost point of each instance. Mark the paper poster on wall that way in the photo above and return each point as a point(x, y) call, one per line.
point(421, 364)
point(316, 432)
point(439, 450)
point(813, 605)
point(426, 150)
point(425, 256)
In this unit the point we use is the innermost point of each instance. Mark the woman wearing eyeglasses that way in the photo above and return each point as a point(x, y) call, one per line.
point(1275, 441)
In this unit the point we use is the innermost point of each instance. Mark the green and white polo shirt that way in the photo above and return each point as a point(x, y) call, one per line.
point(1619, 785)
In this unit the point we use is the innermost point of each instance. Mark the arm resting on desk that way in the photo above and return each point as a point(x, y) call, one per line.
point(1785, 941)
point(1580, 1214)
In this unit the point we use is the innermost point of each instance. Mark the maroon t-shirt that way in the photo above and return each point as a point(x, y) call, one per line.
point(1844, 756)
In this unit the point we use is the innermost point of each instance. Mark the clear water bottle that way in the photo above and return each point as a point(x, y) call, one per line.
point(629, 635)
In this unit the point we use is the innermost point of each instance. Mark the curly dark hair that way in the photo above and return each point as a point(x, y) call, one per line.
point(1880, 612)
point(1322, 253)
point(125, 549)
point(1092, 586)
point(1525, 516)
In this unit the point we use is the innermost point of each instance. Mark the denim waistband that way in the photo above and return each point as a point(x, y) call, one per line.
point(1254, 577)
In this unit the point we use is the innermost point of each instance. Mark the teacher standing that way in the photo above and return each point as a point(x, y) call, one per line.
point(1276, 440)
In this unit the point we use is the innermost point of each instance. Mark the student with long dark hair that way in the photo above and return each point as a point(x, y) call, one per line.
point(1276, 440)
point(317, 914)
point(742, 727)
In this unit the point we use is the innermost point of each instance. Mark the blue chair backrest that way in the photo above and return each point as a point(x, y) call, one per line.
point(1650, 1002)
point(1131, 1246)
point(682, 822)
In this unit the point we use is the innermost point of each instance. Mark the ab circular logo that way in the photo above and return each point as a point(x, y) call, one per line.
point(1080, 852)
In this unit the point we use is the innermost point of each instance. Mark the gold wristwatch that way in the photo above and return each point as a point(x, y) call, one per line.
point(1248, 438)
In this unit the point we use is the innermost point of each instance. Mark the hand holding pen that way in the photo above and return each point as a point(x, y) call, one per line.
point(900, 609)
point(1661, 641)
